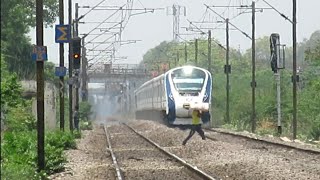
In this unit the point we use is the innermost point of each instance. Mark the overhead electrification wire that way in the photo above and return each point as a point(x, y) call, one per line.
point(219, 44)
point(93, 8)
point(281, 14)
point(102, 23)
point(245, 34)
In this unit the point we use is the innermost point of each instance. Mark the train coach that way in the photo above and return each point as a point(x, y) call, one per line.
point(173, 96)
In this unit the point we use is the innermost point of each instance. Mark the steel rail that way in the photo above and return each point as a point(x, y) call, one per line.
point(263, 141)
point(114, 159)
point(199, 172)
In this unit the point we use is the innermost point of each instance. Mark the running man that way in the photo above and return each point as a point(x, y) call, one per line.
point(196, 126)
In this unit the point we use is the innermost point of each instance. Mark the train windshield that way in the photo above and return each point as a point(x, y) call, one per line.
point(188, 79)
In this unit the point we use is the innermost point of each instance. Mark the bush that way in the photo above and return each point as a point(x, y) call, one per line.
point(58, 139)
point(315, 129)
point(19, 153)
point(85, 111)
point(86, 125)
point(55, 159)
point(11, 170)
point(77, 134)
point(20, 118)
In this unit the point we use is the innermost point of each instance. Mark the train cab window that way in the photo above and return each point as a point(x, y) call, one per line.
point(188, 80)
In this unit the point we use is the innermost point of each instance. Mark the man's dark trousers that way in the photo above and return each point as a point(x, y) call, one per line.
point(195, 128)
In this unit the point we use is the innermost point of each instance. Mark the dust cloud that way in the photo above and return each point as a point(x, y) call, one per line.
point(106, 109)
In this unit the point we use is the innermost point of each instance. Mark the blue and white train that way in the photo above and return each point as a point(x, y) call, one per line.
point(172, 96)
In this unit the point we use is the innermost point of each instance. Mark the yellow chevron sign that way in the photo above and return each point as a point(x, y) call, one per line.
point(62, 33)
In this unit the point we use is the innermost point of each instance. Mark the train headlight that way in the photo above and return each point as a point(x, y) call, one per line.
point(187, 70)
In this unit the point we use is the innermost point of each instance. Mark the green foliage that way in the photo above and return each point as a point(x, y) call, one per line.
point(86, 125)
point(314, 54)
point(19, 140)
point(19, 153)
point(11, 170)
point(10, 91)
point(20, 118)
point(241, 92)
point(17, 16)
point(10, 88)
point(77, 134)
point(59, 139)
point(18, 157)
point(55, 159)
point(309, 103)
point(49, 75)
point(85, 110)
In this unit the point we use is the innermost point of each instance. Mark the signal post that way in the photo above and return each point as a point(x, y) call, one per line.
point(76, 58)
point(277, 63)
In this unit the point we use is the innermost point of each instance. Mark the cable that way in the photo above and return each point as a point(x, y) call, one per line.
point(102, 23)
point(281, 14)
point(245, 34)
point(93, 8)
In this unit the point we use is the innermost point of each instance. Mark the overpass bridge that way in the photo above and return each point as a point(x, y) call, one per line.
point(117, 80)
point(112, 73)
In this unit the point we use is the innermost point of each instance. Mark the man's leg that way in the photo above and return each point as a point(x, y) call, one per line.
point(189, 136)
point(76, 123)
point(200, 132)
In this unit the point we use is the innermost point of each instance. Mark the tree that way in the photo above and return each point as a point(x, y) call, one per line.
point(17, 16)
point(10, 88)
point(313, 48)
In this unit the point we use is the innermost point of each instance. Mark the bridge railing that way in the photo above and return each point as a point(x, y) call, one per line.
point(119, 69)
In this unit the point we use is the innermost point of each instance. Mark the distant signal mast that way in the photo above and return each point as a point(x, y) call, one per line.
point(176, 11)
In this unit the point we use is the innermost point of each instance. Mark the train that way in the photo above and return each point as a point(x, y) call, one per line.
point(172, 96)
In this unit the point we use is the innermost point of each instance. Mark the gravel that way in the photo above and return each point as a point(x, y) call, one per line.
point(234, 158)
point(227, 157)
point(90, 160)
point(139, 160)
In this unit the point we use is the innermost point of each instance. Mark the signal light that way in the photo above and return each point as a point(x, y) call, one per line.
point(76, 52)
point(275, 51)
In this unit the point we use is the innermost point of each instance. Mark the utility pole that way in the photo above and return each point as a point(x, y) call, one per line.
point(70, 69)
point(185, 53)
point(209, 63)
point(196, 52)
point(76, 19)
point(84, 76)
point(227, 71)
point(61, 64)
point(175, 61)
point(253, 82)
point(177, 11)
point(294, 69)
point(178, 57)
point(40, 87)
point(209, 51)
point(77, 71)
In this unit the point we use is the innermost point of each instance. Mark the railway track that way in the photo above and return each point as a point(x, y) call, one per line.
point(261, 141)
point(127, 144)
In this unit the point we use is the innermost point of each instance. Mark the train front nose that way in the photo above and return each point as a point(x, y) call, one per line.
point(185, 105)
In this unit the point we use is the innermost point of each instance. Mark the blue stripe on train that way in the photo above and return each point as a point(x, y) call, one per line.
point(206, 115)
point(171, 104)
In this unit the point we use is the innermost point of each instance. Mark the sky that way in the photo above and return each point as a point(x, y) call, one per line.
point(150, 29)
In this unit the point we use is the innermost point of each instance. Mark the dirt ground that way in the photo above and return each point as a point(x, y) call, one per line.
point(90, 160)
